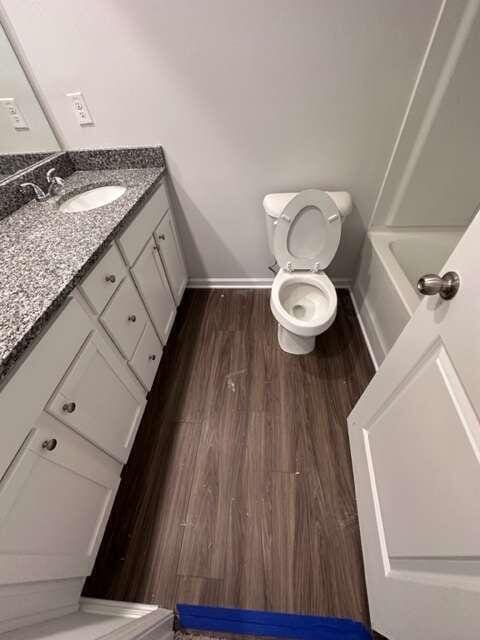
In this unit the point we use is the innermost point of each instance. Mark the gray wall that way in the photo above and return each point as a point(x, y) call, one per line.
point(247, 97)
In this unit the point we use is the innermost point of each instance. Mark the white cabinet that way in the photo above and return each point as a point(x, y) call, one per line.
point(100, 285)
point(152, 283)
point(100, 399)
point(133, 239)
point(147, 357)
point(125, 318)
point(172, 257)
point(55, 500)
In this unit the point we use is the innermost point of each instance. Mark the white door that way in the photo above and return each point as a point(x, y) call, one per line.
point(152, 283)
point(172, 257)
point(55, 500)
point(415, 441)
point(100, 398)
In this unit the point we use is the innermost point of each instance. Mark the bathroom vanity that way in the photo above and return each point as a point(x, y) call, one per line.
point(88, 302)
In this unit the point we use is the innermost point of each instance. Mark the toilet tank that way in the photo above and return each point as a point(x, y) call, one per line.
point(275, 203)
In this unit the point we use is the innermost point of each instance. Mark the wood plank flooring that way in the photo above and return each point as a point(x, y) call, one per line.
point(239, 490)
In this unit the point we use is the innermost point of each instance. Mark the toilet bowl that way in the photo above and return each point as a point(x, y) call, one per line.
point(304, 305)
point(304, 233)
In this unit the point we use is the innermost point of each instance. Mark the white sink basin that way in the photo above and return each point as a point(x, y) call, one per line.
point(92, 198)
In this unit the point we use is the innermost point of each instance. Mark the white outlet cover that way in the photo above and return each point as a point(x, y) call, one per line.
point(14, 113)
point(80, 109)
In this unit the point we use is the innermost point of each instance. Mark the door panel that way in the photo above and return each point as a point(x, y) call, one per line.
point(434, 510)
point(172, 257)
point(54, 505)
point(147, 357)
point(415, 441)
point(100, 399)
point(125, 318)
point(152, 283)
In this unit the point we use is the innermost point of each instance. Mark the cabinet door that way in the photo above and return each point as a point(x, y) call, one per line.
point(152, 283)
point(147, 357)
point(125, 318)
point(143, 225)
point(172, 257)
point(100, 398)
point(54, 505)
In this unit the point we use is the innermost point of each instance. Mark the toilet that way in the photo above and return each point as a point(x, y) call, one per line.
point(304, 232)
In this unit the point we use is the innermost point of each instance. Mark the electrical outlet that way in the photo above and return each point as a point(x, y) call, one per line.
point(80, 108)
point(14, 113)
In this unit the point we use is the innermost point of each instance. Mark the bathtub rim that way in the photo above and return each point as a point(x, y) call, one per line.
point(380, 239)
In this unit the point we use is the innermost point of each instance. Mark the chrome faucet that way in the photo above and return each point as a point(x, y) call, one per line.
point(55, 186)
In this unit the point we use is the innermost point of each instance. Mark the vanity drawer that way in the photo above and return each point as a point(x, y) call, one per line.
point(99, 286)
point(125, 318)
point(147, 357)
point(134, 238)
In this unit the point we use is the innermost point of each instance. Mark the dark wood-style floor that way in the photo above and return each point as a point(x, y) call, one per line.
point(239, 490)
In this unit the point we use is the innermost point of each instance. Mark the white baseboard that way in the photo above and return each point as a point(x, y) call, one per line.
point(229, 283)
point(367, 328)
point(147, 622)
point(117, 607)
point(248, 283)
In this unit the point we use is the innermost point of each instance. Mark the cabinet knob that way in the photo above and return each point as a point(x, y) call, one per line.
point(110, 278)
point(50, 444)
point(69, 407)
point(161, 236)
point(132, 318)
point(152, 357)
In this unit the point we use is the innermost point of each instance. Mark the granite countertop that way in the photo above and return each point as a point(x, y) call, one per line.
point(45, 253)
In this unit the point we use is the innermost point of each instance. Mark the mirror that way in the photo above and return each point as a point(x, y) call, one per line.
point(25, 133)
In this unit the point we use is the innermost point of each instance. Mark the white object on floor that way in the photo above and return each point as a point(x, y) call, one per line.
point(304, 232)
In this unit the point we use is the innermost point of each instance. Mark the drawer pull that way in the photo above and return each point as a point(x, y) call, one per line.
point(49, 445)
point(110, 278)
point(161, 236)
point(155, 248)
point(152, 357)
point(132, 318)
point(69, 407)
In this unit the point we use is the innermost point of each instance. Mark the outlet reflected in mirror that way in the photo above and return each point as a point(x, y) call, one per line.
point(25, 133)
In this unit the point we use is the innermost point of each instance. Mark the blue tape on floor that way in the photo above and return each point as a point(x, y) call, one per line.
point(268, 623)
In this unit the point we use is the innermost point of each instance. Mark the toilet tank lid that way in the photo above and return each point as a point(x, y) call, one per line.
point(275, 203)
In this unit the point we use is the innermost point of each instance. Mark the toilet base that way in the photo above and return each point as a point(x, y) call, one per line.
point(291, 343)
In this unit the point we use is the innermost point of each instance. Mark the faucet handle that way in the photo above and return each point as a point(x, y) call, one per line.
point(56, 183)
point(39, 193)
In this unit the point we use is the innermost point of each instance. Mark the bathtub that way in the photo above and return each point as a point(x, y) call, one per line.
point(385, 287)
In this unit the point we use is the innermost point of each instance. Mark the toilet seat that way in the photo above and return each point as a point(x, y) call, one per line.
point(307, 232)
point(304, 303)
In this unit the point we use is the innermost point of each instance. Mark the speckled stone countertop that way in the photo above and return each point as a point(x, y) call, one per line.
point(45, 253)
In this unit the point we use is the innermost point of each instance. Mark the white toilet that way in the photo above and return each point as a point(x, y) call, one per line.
point(304, 233)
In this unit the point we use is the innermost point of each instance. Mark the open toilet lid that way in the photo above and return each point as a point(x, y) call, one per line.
point(307, 233)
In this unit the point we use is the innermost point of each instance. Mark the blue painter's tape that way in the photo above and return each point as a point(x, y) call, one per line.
point(271, 624)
